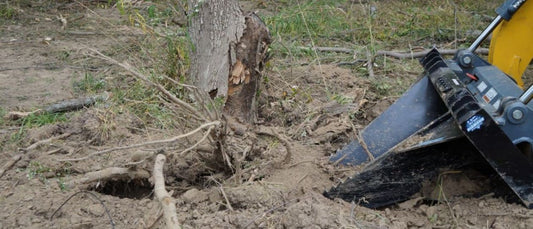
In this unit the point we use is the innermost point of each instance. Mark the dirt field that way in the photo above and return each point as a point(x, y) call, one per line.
point(45, 58)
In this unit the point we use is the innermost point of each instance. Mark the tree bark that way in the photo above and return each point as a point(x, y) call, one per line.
point(229, 51)
point(214, 26)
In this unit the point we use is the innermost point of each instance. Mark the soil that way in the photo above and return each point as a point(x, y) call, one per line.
point(41, 61)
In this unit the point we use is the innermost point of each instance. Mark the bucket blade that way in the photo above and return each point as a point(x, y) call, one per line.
point(400, 175)
point(417, 108)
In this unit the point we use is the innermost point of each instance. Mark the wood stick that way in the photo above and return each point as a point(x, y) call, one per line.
point(9, 164)
point(110, 173)
point(173, 139)
point(63, 106)
point(398, 55)
point(45, 141)
point(167, 202)
point(225, 198)
point(370, 64)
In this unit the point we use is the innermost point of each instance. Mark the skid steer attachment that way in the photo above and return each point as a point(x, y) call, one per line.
point(464, 112)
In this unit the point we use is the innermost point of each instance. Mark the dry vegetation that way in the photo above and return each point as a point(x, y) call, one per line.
point(328, 77)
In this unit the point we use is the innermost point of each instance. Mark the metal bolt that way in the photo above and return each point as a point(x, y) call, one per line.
point(518, 114)
point(467, 60)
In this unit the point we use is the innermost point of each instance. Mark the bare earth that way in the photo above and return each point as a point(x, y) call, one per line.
point(40, 63)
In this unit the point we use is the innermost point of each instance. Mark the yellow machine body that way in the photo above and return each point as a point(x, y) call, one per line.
point(511, 47)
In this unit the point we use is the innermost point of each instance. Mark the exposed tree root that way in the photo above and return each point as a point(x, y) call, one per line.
point(45, 141)
point(108, 174)
point(156, 142)
point(167, 202)
point(285, 142)
point(9, 164)
point(94, 196)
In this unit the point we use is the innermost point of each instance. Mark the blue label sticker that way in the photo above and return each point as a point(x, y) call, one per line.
point(474, 123)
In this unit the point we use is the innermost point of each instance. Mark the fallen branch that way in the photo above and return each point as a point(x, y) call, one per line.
point(146, 143)
point(167, 202)
point(45, 141)
point(330, 49)
point(64, 106)
point(9, 164)
point(108, 174)
point(398, 55)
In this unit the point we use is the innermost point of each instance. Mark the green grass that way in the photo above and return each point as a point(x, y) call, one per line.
point(379, 24)
point(36, 170)
point(89, 84)
point(3, 112)
point(7, 11)
point(33, 120)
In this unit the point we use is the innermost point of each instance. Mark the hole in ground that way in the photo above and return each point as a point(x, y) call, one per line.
point(132, 189)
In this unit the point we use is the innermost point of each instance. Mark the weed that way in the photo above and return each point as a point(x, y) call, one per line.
point(382, 87)
point(89, 84)
point(7, 11)
point(37, 170)
point(38, 120)
point(62, 184)
point(3, 112)
point(341, 99)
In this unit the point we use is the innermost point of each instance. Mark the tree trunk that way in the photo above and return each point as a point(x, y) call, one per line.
point(229, 50)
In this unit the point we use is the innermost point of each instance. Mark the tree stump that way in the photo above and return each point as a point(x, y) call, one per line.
point(228, 55)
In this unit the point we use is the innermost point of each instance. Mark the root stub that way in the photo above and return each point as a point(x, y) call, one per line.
point(109, 174)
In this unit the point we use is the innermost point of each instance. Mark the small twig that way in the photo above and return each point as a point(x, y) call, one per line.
point(226, 198)
point(9, 164)
point(330, 49)
point(146, 143)
point(362, 142)
point(301, 162)
point(53, 151)
point(302, 178)
point(370, 64)
point(155, 221)
point(45, 141)
point(96, 197)
point(143, 78)
point(167, 202)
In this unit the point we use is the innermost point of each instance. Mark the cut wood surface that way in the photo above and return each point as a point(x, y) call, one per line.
point(245, 78)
